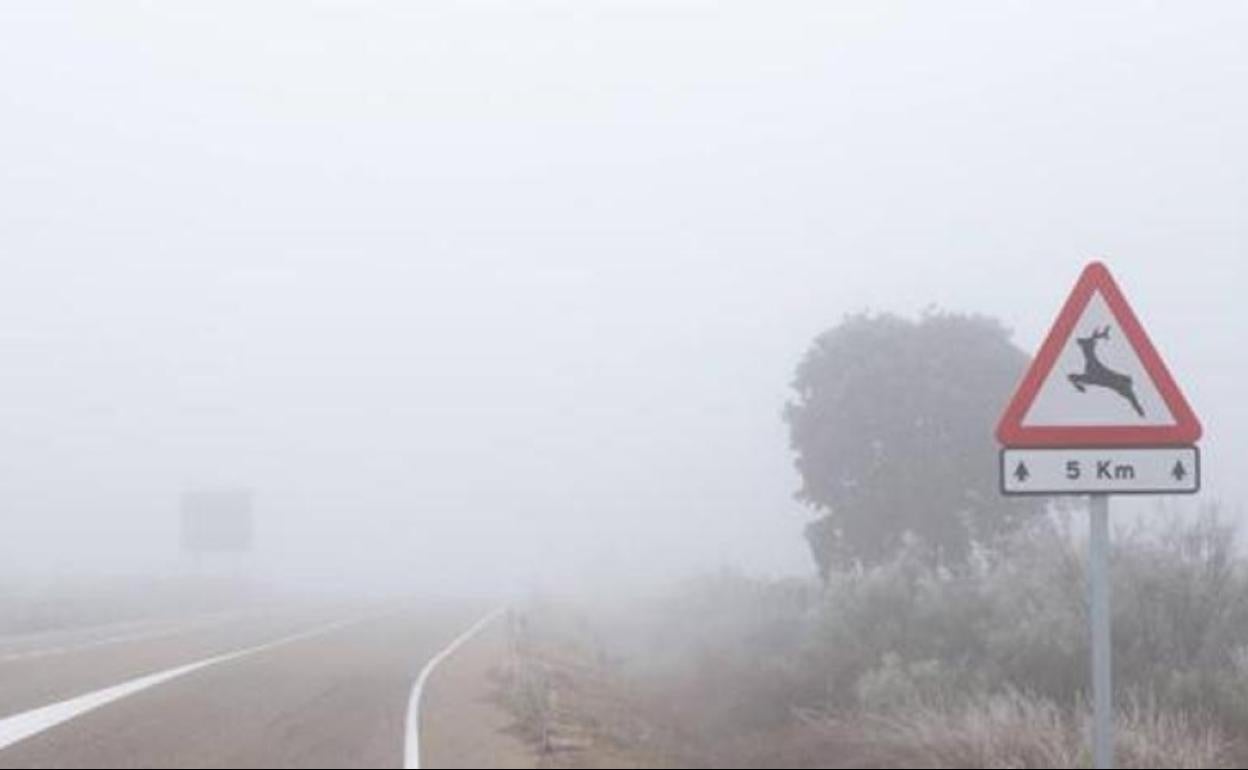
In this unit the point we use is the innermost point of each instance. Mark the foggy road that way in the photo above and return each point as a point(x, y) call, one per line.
point(772, 365)
point(308, 687)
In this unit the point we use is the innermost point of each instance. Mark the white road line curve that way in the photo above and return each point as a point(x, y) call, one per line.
point(411, 747)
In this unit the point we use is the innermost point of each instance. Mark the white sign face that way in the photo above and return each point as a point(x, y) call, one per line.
point(1083, 471)
point(1098, 379)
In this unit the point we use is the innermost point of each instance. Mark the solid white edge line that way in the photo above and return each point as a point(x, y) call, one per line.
point(411, 744)
point(23, 725)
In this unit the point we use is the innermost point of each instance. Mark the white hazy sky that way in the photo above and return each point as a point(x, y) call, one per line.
point(524, 283)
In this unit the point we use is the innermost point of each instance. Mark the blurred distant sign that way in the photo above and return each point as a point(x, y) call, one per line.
point(1098, 384)
point(1098, 380)
point(217, 520)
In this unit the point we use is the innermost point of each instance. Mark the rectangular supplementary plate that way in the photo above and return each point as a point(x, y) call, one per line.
point(1088, 471)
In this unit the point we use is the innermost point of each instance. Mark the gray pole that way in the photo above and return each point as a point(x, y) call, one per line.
point(1102, 683)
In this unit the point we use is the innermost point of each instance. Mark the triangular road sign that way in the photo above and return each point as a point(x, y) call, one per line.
point(1098, 380)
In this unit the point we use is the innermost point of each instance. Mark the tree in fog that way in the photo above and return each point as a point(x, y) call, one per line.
point(892, 426)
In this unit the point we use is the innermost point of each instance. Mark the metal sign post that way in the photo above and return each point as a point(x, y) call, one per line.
point(1102, 663)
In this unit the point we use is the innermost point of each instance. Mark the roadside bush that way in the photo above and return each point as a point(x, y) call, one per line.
point(1017, 619)
point(1181, 617)
point(732, 643)
point(1010, 729)
point(907, 664)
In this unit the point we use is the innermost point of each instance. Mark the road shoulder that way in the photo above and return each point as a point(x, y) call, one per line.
point(463, 722)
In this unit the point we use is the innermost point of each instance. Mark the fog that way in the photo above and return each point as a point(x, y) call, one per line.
point(499, 295)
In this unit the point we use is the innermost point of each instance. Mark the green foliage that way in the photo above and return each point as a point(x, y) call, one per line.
point(892, 426)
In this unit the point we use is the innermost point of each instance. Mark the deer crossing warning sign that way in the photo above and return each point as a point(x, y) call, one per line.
point(1098, 414)
point(1098, 411)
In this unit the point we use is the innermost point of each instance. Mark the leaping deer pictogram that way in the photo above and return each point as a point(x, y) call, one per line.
point(1098, 374)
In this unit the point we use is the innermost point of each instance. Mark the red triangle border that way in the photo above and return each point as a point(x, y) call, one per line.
point(1012, 433)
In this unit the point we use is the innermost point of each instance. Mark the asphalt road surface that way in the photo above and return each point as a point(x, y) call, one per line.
point(278, 687)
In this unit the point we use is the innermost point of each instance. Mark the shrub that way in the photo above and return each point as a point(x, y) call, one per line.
point(1017, 618)
point(1010, 729)
point(985, 665)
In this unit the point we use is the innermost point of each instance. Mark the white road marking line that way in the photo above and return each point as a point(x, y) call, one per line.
point(21, 726)
point(411, 747)
point(164, 629)
point(34, 637)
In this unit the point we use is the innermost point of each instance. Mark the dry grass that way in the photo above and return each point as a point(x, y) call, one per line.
point(1151, 737)
point(567, 703)
point(579, 710)
point(1015, 731)
point(903, 665)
